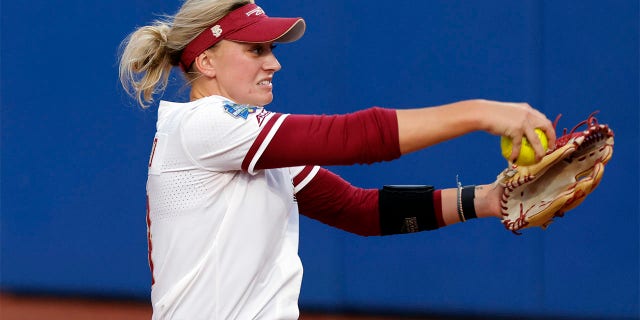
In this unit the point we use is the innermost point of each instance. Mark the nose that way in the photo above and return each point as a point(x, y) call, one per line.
point(271, 63)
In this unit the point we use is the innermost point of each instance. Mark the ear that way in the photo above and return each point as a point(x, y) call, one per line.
point(205, 64)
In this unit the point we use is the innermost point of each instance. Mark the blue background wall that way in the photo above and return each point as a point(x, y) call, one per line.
point(74, 150)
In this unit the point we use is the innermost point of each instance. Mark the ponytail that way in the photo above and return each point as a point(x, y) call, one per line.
point(146, 62)
point(148, 54)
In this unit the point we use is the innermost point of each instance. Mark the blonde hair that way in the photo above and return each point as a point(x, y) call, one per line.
point(148, 54)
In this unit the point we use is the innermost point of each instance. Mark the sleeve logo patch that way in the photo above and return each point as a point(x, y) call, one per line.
point(239, 110)
point(261, 116)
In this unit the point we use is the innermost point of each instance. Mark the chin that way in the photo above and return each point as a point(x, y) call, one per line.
point(258, 101)
point(263, 102)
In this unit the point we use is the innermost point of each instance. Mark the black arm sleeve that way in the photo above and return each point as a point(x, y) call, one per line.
point(406, 209)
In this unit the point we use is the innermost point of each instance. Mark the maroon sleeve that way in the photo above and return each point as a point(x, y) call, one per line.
point(331, 200)
point(362, 137)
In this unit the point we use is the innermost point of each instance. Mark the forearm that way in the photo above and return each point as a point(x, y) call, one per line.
point(424, 127)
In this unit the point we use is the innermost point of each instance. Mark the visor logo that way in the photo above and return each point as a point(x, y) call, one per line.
point(216, 30)
point(257, 11)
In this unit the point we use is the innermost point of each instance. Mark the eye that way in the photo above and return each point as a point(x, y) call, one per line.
point(257, 49)
point(261, 49)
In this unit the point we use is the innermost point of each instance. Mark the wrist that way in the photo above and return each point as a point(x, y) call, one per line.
point(465, 202)
point(487, 201)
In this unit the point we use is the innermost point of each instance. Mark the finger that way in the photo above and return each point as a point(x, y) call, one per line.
point(516, 143)
point(547, 127)
point(550, 132)
point(535, 142)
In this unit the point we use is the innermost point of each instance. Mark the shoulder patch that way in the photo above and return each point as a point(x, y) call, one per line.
point(239, 110)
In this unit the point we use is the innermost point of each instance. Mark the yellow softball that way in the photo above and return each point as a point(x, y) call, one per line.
point(527, 155)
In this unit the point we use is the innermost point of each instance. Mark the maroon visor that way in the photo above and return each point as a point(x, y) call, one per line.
point(249, 24)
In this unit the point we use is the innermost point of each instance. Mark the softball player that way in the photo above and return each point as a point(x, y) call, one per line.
point(228, 178)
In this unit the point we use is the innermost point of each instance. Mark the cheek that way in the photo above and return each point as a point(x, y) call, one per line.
point(242, 73)
point(239, 75)
point(234, 76)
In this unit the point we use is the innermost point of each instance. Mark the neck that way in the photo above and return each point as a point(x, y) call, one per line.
point(200, 90)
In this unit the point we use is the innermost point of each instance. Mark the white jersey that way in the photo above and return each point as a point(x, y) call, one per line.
point(223, 242)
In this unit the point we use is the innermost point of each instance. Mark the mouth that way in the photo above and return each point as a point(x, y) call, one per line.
point(265, 83)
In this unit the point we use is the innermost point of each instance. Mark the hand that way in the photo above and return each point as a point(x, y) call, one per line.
point(516, 120)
